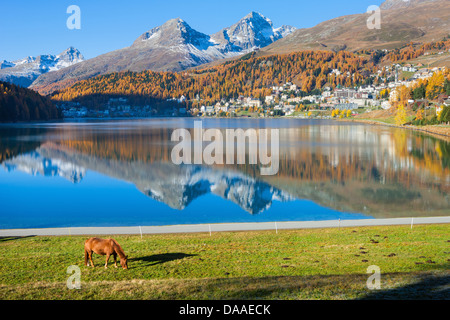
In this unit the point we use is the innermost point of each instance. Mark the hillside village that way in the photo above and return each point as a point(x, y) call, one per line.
point(286, 100)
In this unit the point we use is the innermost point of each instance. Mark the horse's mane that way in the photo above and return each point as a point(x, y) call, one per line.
point(118, 248)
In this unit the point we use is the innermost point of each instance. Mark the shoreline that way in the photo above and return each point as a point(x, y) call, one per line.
point(431, 130)
point(221, 227)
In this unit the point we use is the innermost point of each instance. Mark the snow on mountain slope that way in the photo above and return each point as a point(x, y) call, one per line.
point(252, 31)
point(24, 71)
point(173, 46)
point(177, 36)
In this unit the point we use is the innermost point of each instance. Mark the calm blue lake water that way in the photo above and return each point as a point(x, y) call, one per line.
point(120, 173)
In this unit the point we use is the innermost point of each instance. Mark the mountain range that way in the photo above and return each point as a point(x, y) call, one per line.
point(401, 22)
point(174, 46)
point(24, 71)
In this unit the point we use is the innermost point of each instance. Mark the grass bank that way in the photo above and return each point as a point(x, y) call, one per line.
point(293, 264)
point(441, 131)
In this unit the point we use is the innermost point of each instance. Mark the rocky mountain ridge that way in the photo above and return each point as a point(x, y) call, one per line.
point(24, 71)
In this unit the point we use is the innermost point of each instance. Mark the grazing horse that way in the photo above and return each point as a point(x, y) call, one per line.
point(104, 247)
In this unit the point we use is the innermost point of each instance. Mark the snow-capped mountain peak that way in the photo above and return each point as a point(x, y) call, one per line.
point(252, 31)
point(71, 55)
point(26, 60)
point(256, 16)
point(24, 71)
point(6, 64)
point(175, 46)
point(172, 33)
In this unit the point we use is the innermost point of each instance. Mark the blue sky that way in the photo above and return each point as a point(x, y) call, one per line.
point(39, 27)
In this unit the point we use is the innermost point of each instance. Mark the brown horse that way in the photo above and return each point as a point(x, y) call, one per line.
point(104, 247)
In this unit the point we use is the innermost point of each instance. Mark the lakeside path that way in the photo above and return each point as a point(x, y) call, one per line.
point(439, 131)
point(221, 227)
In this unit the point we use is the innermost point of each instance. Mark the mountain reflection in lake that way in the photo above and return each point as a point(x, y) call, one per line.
point(115, 173)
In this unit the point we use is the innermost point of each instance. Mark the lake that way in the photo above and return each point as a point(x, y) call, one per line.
point(120, 173)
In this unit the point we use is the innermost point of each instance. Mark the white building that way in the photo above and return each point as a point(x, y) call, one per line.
point(294, 100)
point(254, 103)
point(270, 99)
point(409, 69)
point(359, 102)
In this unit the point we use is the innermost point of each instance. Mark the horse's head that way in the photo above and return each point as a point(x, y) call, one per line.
point(123, 262)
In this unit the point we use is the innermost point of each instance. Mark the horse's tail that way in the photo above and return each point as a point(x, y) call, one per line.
point(86, 256)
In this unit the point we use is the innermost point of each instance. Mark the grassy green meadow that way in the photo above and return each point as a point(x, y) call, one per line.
point(293, 264)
